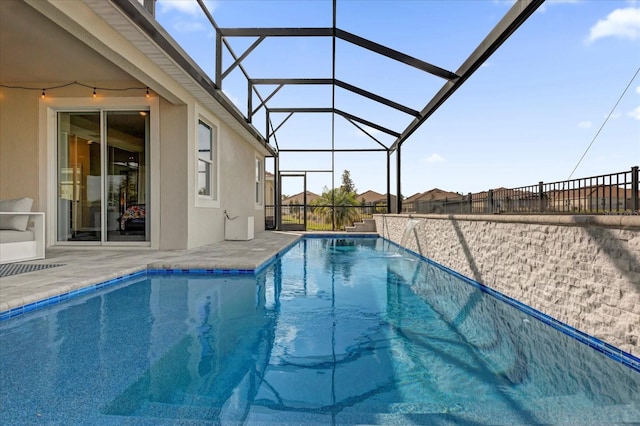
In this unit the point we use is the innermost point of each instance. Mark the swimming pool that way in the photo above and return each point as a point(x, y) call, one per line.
point(335, 331)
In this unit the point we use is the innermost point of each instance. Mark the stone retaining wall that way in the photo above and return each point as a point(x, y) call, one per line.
point(581, 270)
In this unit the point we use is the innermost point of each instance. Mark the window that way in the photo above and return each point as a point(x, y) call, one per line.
point(206, 185)
point(258, 181)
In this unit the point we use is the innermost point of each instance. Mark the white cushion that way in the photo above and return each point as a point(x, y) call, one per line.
point(15, 222)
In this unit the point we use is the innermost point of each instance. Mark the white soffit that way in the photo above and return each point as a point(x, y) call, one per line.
point(115, 18)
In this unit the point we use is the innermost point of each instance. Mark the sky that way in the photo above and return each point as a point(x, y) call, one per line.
point(559, 99)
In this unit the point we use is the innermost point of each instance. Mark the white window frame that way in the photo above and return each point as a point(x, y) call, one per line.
point(211, 200)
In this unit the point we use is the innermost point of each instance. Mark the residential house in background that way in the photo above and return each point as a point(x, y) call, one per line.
point(376, 200)
point(434, 201)
point(269, 189)
point(299, 199)
point(591, 199)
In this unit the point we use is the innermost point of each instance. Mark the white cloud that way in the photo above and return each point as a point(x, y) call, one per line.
point(614, 116)
point(543, 7)
point(622, 23)
point(585, 124)
point(182, 6)
point(638, 90)
point(232, 98)
point(186, 15)
point(635, 114)
point(188, 26)
point(434, 158)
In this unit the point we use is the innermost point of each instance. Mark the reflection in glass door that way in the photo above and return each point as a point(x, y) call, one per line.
point(126, 189)
point(103, 190)
point(79, 171)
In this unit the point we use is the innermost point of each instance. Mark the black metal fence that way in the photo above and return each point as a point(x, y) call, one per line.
point(615, 193)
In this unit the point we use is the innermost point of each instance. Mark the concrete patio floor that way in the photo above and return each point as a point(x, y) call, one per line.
point(86, 266)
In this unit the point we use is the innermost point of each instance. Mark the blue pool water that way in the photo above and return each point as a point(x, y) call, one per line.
point(335, 331)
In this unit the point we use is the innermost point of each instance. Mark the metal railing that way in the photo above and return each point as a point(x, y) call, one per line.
point(615, 193)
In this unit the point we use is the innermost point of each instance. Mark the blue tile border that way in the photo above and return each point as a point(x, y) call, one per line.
point(53, 300)
point(199, 271)
point(277, 256)
point(342, 236)
point(605, 348)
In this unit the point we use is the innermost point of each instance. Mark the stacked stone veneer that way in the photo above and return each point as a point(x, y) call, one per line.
point(581, 270)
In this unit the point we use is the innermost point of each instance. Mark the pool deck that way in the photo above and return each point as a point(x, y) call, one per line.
point(86, 266)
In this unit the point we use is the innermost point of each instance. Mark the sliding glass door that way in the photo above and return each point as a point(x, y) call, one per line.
point(126, 174)
point(103, 184)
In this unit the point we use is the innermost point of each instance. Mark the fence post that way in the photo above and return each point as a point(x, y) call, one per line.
point(490, 201)
point(635, 188)
point(470, 203)
point(541, 196)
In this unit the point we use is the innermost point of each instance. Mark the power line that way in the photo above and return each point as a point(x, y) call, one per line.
point(605, 122)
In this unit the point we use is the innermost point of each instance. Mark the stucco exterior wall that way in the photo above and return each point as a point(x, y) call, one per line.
point(237, 178)
point(19, 155)
point(24, 163)
point(92, 33)
point(581, 270)
point(174, 201)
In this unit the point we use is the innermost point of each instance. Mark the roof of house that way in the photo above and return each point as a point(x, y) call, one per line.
point(299, 198)
point(433, 194)
point(413, 197)
point(371, 196)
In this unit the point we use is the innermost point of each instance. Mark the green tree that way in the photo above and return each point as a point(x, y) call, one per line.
point(347, 183)
point(342, 201)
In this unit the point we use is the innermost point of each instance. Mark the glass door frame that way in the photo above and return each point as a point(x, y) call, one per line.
point(49, 109)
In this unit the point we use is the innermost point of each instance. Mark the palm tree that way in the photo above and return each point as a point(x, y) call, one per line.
point(343, 203)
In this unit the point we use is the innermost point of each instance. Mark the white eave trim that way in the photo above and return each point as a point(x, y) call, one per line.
point(175, 79)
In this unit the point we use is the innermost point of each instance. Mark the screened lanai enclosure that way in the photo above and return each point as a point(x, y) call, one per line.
point(301, 82)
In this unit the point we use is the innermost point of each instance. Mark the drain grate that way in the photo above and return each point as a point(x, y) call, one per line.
point(21, 268)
